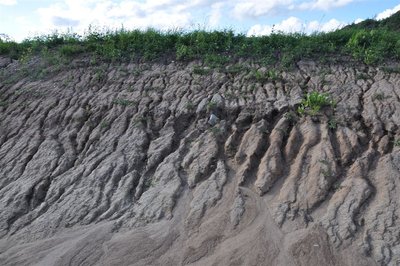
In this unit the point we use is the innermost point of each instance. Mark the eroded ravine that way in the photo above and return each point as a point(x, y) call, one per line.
point(117, 164)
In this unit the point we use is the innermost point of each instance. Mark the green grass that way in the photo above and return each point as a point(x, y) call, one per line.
point(374, 46)
point(198, 70)
point(371, 45)
point(397, 143)
point(332, 123)
point(290, 116)
point(313, 102)
point(362, 76)
point(390, 23)
point(104, 124)
point(124, 102)
point(3, 103)
point(211, 106)
point(270, 75)
point(190, 106)
point(391, 69)
point(378, 96)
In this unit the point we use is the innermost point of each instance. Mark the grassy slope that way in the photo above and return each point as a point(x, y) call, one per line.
point(391, 23)
point(370, 41)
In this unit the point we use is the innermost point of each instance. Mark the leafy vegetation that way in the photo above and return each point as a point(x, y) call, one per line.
point(211, 106)
point(313, 102)
point(201, 70)
point(290, 116)
point(262, 77)
point(397, 143)
point(3, 103)
point(124, 102)
point(370, 41)
point(374, 46)
point(332, 123)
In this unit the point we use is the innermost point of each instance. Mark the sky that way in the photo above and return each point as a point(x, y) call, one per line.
point(21, 19)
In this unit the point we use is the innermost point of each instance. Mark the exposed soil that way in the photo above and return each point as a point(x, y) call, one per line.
point(117, 164)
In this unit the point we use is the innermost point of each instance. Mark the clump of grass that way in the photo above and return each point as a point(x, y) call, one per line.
point(140, 120)
point(313, 102)
point(362, 76)
point(236, 69)
point(397, 143)
point(216, 60)
point(104, 124)
point(380, 96)
point(211, 106)
point(201, 70)
point(190, 106)
point(124, 102)
point(3, 103)
point(391, 69)
point(100, 74)
point(261, 76)
point(290, 116)
point(332, 123)
point(272, 75)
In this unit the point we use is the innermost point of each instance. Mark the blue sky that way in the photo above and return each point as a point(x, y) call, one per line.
point(20, 19)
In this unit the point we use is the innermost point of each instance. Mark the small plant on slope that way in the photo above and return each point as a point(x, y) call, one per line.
point(313, 102)
point(397, 143)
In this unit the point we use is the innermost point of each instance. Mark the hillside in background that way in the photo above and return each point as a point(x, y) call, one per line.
point(201, 148)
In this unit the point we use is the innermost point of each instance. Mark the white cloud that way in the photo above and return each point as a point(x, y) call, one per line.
point(289, 25)
point(293, 24)
point(216, 14)
point(8, 2)
point(77, 15)
point(332, 25)
point(324, 4)
point(256, 8)
point(165, 14)
point(359, 20)
point(387, 13)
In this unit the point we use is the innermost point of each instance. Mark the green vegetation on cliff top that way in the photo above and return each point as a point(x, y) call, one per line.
point(369, 41)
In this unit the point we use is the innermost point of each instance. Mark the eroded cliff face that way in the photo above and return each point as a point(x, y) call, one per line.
point(117, 165)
